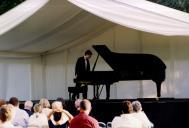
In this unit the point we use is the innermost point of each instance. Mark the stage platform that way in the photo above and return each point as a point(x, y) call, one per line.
point(163, 112)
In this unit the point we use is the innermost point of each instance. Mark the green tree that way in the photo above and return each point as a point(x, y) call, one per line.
point(182, 5)
point(6, 5)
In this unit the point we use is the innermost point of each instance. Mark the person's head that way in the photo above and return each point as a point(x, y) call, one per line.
point(44, 103)
point(57, 106)
point(136, 106)
point(6, 112)
point(61, 100)
point(88, 54)
point(85, 106)
point(77, 104)
point(14, 101)
point(127, 107)
point(37, 108)
point(28, 105)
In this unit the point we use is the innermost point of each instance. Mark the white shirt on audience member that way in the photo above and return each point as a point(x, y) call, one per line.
point(39, 120)
point(7, 124)
point(144, 119)
point(126, 121)
point(46, 111)
point(20, 118)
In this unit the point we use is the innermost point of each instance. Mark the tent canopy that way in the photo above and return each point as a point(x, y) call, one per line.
point(139, 14)
point(53, 24)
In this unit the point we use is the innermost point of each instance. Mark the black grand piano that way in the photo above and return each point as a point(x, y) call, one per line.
point(125, 67)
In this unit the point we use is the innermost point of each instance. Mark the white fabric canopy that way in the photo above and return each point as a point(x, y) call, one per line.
point(20, 13)
point(139, 14)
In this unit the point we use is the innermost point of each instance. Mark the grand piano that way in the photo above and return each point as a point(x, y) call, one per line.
point(125, 67)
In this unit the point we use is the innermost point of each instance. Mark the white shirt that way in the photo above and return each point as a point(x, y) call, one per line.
point(38, 120)
point(20, 118)
point(126, 121)
point(144, 119)
point(46, 111)
point(7, 124)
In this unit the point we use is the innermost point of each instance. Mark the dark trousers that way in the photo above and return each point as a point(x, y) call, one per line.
point(79, 88)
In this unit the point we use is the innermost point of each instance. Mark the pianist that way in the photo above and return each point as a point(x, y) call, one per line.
point(82, 65)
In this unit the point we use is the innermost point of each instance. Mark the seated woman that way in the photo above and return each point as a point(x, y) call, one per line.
point(140, 115)
point(45, 106)
point(126, 120)
point(38, 119)
point(59, 118)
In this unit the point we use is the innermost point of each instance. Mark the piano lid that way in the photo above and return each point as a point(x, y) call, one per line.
point(128, 61)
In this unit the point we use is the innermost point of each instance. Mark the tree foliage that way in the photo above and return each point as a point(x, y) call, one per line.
point(182, 5)
point(6, 5)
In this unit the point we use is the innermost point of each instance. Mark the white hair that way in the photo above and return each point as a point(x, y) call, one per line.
point(137, 106)
point(28, 104)
point(57, 105)
point(77, 103)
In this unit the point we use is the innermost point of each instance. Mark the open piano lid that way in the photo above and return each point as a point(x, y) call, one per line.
point(127, 61)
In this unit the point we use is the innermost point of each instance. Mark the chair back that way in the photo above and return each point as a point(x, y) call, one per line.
point(102, 125)
point(109, 125)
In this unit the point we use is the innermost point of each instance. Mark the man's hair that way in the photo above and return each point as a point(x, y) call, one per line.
point(88, 52)
point(127, 107)
point(14, 101)
point(85, 105)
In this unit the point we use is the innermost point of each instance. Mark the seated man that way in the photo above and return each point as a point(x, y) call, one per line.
point(21, 117)
point(83, 120)
point(28, 107)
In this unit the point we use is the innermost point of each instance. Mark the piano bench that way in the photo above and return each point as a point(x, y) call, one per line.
point(72, 90)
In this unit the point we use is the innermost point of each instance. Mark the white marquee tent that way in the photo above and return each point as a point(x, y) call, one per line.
point(40, 42)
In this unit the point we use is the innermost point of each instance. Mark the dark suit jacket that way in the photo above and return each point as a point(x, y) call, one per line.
point(80, 66)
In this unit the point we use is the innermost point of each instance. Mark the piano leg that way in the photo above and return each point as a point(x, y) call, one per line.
point(96, 92)
point(158, 84)
point(107, 91)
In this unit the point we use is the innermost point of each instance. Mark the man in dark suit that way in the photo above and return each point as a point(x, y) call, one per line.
point(82, 65)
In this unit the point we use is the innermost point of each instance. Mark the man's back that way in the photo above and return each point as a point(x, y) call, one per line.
point(20, 118)
point(82, 120)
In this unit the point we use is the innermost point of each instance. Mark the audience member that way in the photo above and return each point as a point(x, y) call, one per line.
point(28, 107)
point(83, 120)
point(126, 120)
point(6, 113)
point(38, 119)
point(21, 117)
point(140, 115)
point(77, 106)
point(63, 102)
point(59, 118)
point(45, 106)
